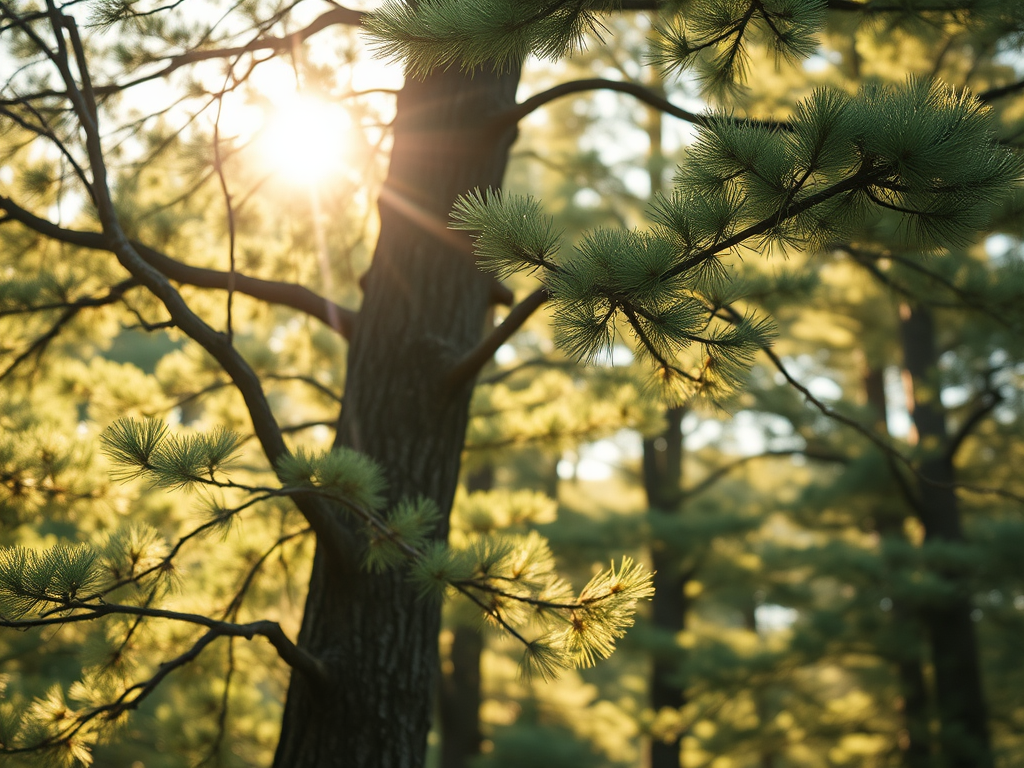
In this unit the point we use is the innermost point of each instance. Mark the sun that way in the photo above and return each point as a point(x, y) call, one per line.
point(299, 135)
point(303, 139)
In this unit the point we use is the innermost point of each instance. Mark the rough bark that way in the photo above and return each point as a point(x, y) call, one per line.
point(960, 696)
point(424, 305)
point(663, 476)
point(915, 740)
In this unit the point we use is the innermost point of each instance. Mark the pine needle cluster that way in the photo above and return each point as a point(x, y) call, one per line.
point(32, 580)
point(436, 34)
point(920, 151)
point(514, 581)
point(712, 37)
point(143, 448)
point(511, 578)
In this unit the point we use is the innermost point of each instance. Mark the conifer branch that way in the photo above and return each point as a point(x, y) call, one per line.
point(333, 535)
point(309, 381)
point(190, 397)
point(866, 175)
point(218, 167)
point(640, 92)
point(43, 130)
point(882, 444)
point(474, 361)
point(337, 16)
point(236, 602)
point(907, 491)
point(866, 258)
point(290, 295)
point(167, 562)
point(289, 651)
point(719, 472)
point(987, 402)
point(293, 655)
point(537, 362)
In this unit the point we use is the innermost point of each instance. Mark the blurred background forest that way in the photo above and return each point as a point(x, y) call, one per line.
point(795, 579)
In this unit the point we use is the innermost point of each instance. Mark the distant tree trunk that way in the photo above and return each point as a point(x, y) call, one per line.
point(460, 699)
point(460, 692)
point(423, 307)
point(915, 740)
point(663, 476)
point(766, 753)
point(959, 693)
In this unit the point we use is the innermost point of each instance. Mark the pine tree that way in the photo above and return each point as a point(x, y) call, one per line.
point(376, 499)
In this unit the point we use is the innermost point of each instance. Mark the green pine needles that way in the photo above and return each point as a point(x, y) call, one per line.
point(710, 36)
point(713, 36)
point(511, 579)
point(33, 581)
point(921, 153)
point(145, 449)
point(435, 34)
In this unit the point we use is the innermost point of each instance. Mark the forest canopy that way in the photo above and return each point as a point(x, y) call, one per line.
point(564, 382)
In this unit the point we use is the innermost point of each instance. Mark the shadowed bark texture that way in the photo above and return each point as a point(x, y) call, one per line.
point(424, 307)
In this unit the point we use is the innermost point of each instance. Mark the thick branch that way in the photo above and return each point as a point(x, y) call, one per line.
point(286, 43)
point(477, 358)
point(289, 652)
point(284, 294)
point(1003, 90)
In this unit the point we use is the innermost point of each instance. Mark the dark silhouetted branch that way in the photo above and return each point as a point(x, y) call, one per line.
point(477, 358)
point(638, 91)
point(284, 294)
point(71, 310)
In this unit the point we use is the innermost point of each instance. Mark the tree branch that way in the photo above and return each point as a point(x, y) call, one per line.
point(290, 653)
point(331, 18)
point(640, 92)
point(999, 92)
point(470, 365)
point(330, 531)
point(725, 469)
point(296, 297)
point(537, 362)
point(987, 403)
point(71, 310)
point(895, 456)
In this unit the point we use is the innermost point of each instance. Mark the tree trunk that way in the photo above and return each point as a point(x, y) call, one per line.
point(460, 692)
point(424, 305)
point(961, 699)
point(663, 475)
point(915, 741)
point(459, 709)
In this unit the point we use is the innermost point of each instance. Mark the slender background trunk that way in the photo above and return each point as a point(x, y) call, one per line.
point(460, 692)
point(963, 712)
point(663, 478)
point(915, 740)
point(423, 307)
